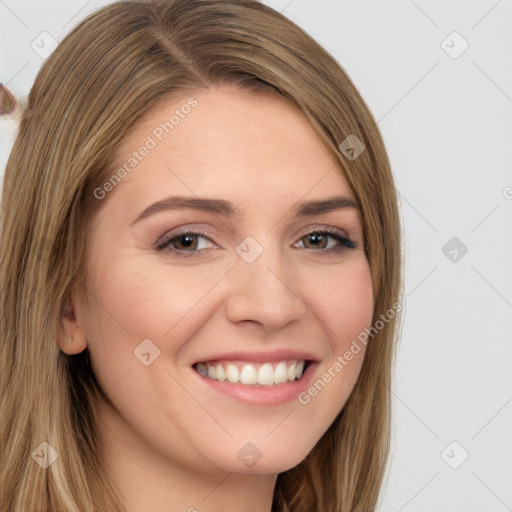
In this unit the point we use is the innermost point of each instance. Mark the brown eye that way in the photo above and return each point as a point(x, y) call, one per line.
point(315, 238)
point(319, 240)
point(185, 243)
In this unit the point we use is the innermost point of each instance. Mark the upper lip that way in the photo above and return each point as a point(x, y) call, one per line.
point(262, 356)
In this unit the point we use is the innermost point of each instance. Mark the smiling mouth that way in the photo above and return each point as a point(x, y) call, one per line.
point(251, 373)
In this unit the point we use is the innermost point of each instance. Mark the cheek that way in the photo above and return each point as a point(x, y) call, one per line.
point(355, 303)
point(344, 304)
point(133, 300)
point(144, 300)
point(343, 301)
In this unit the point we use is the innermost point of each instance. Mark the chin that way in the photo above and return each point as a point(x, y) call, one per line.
point(252, 461)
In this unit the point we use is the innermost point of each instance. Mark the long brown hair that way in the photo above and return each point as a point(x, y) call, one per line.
point(115, 66)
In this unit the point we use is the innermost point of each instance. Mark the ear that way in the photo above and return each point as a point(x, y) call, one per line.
point(71, 336)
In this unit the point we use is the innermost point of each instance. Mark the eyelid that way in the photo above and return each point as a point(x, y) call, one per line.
point(181, 231)
point(322, 227)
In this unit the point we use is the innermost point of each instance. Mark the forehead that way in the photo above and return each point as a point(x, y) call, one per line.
point(231, 141)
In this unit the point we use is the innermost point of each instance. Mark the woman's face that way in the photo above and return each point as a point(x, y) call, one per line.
point(246, 293)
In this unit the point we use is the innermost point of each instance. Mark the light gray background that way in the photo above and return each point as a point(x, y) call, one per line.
point(447, 123)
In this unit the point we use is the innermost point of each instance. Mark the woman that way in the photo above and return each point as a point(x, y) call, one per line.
point(200, 271)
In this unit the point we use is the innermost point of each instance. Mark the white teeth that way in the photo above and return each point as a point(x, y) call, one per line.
point(232, 373)
point(221, 374)
point(247, 373)
point(266, 375)
point(292, 372)
point(280, 373)
point(300, 369)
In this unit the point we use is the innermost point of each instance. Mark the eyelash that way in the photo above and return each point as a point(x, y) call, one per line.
point(163, 243)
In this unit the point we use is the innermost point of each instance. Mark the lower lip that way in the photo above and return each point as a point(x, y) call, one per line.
point(262, 395)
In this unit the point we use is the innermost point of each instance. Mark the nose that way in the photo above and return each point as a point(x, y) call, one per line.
point(262, 292)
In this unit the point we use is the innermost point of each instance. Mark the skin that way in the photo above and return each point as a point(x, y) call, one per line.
point(171, 442)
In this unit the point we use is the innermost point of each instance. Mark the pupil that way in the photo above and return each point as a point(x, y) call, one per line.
point(188, 242)
point(315, 237)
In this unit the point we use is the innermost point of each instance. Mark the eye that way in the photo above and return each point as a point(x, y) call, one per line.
point(318, 237)
point(183, 243)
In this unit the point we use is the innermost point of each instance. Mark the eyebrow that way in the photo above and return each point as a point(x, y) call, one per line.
point(229, 209)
